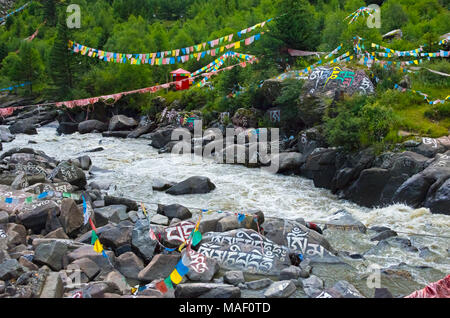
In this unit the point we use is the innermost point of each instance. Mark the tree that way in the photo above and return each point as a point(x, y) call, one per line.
point(50, 12)
point(30, 67)
point(62, 62)
point(3, 51)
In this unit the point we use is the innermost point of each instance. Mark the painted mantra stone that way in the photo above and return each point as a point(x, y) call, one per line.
point(324, 79)
point(197, 262)
point(248, 237)
point(244, 257)
point(180, 232)
point(30, 168)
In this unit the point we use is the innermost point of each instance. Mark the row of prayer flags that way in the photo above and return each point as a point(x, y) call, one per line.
point(425, 96)
point(15, 11)
point(41, 196)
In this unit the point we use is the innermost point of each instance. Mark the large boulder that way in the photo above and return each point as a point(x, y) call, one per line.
point(121, 122)
point(68, 172)
point(5, 135)
point(129, 265)
point(244, 117)
point(50, 254)
point(67, 128)
point(280, 289)
point(343, 220)
point(71, 216)
point(110, 213)
point(86, 251)
point(10, 269)
point(34, 216)
point(440, 201)
point(192, 185)
point(117, 236)
point(142, 129)
point(161, 137)
point(290, 162)
point(174, 211)
point(25, 126)
point(160, 267)
point(320, 166)
point(91, 125)
point(141, 242)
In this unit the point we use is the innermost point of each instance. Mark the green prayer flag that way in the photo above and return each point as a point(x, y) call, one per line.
point(168, 282)
point(66, 195)
point(197, 237)
point(94, 237)
point(29, 200)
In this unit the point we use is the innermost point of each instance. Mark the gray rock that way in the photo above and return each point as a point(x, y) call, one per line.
point(259, 284)
point(70, 173)
point(88, 267)
point(88, 252)
point(312, 286)
point(207, 290)
point(159, 219)
point(53, 286)
point(161, 137)
point(141, 242)
point(343, 219)
point(383, 235)
point(174, 211)
point(160, 266)
point(110, 213)
point(208, 274)
point(10, 269)
point(117, 236)
point(161, 184)
point(129, 265)
point(34, 216)
point(58, 234)
point(50, 254)
point(234, 278)
point(71, 217)
point(89, 126)
point(289, 162)
point(3, 217)
point(280, 289)
point(6, 136)
point(347, 290)
point(119, 280)
point(130, 204)
point(121, 122)
point(291, 272)
point(192, 185)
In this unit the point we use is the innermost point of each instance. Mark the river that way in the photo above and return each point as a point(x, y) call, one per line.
point(134, 164)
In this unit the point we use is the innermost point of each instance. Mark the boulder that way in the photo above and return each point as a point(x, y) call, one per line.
point(192, 185)
point(159, 219)
point(121, 122)
point(234, 277)
point(259, 284)
point(71, 216)
point(252, 220)
point(161, 137)
point(53, 286)
point(130, 204)
point(34, 216)
point(207, 290)
point(58, 234)
point(91, 125)
point(174, 211)
point(50, 254)
point(161, 184)
point(245, 117)
point(67, 128)
point(343, 220)
point(88, 267)
point(290, 162)
point(383, 235)
point(5, 135)
point(320, 166)
point(25, 126)
point(10, 269)
point(119, 280)
point(141, 242)
point(141, 130)
point(160, 267)
point(280, 289)
point(129, 265)
point(312, 286)
point(87, 251)
point(16, 234)
point(110, 213)
point(71, 174)
point(367, 190)
point(204, 275)
point(291, 272)
point(117, 236)
point(440, 201)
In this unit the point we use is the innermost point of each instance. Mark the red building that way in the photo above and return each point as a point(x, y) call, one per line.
point(182, 78)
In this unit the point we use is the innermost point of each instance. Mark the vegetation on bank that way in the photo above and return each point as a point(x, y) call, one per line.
point(156, 25)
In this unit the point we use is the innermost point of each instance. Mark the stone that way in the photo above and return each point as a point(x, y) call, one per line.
point(71, 217)
point(291, 272)
point(347, 290)
point(119, 280)
point(58, 233)
point(121, 122)
point(382, 293)
point(27, 264)
point(342, 219)
point(67, 128)
point(160, 267)
point(108, 214)
point(87, 251)
point(130, 204)
point(53, 286)
point(117, 236)
point(10, 269)
point(383, 235)
point(141, 242)
point(99, 289)
point(231, 222)
point(159, 219)
point(259, 284)
point(174, 211)
point(161, 137)
point(192, 185)
point(207, 275)
point(50, 254)
point(312, 286)
point(88, 267)
point(234, 278)
point(440, 201)
point(280, 289)
point(69, 173)
point(17, 234)
point(129, 265)
point(6, 136)
point(25, 126)
point(159, 184)
point(34, 216)
point(4, 217)
point(89, 126)
point(289, 162)
point(142, 129)
point(207, 290)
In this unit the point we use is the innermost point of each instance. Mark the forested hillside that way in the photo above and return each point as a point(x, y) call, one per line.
point(133, 26)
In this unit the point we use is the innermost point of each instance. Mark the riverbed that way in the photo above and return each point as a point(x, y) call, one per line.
point(133, 164)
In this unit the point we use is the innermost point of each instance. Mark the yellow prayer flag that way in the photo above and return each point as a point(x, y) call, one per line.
point(175, 277)
point(416, 62)
point(98, 246)
point(237, 44)
point(221, 49)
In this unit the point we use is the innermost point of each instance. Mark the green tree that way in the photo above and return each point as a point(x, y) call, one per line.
point(31, 67)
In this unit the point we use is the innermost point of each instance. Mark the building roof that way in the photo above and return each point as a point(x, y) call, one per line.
point(180, 71)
